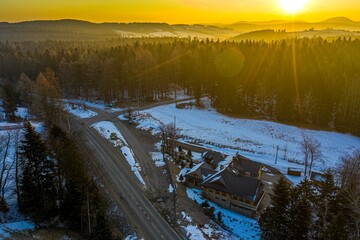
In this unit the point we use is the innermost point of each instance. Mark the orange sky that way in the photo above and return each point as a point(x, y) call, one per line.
point(173, 11)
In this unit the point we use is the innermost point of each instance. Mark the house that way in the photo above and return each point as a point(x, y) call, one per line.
point(294, 172)
point(244, 166)
point(213, 158)
point(233, 182)
point(198, 174)
point(236, 192)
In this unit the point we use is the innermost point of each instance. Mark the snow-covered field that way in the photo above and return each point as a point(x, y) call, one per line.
point(242, 227)
point(105, 128)
point(79, 111)
point(96, 104)
point(254, 139)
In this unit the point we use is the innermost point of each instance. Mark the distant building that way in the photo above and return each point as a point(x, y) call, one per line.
point(231, 182)
point(294, 172)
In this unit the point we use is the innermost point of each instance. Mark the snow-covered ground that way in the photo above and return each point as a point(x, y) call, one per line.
point(12, 133)
point(79, 111)
point(170, 188)
point(7, 228)
point(22, 112)
point(254, 139)
point(207, 231)
point(96, 104)
point(242, 227)
point(105, 128)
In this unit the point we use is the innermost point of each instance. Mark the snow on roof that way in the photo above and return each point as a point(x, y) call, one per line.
point(225, 162)
point(196, 167)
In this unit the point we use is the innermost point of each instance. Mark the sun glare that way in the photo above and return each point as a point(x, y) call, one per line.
point(292, 6)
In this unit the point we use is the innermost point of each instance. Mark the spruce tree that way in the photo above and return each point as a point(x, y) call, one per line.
point(300, 211)
point(37, 188)
point(275, 219)
point(10, 99)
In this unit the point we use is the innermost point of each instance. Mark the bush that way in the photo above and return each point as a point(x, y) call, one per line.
point(113, 136)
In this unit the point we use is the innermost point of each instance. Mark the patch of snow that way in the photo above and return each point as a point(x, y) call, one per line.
point(22, 112)
point(106, 128)
point(186, 217)
point(131, 237)
point(79, 111)
point(157, 157)
point(123, 117)
point(182, 172)
point(170, 188)
point(193, 232)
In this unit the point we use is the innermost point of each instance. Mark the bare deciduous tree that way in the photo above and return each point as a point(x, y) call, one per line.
point(311, 149)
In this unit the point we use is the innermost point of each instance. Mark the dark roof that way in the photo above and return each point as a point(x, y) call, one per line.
point(214, 157)
point(203, 170)
point(240, 185)
point(241, 165)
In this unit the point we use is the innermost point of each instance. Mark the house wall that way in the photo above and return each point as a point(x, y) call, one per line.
point(192, 182)
point(218, 197)
point(226, 201)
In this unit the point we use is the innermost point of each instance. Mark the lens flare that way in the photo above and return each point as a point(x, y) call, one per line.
point(292, 6)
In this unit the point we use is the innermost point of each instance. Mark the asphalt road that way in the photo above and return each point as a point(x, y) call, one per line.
point(126, 189)
point(121, 182)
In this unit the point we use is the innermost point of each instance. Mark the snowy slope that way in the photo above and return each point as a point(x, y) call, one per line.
point(252, 138)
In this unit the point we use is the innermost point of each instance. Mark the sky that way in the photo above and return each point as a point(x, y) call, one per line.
point(175, 11)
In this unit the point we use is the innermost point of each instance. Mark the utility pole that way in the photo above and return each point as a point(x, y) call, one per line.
point(174, 137)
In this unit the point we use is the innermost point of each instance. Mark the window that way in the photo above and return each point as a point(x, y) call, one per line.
point(217, 192)
point(211, 190)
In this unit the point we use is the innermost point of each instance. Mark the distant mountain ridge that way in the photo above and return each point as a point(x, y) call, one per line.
point(69, 29)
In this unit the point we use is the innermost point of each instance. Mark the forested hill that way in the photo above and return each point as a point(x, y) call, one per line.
point(68, 29)
point(272, 35)
point(298, 81)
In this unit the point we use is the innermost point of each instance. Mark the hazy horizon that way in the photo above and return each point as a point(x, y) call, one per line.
point(174, 23)
point(172, 11)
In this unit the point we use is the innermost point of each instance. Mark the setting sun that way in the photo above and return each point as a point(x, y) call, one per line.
point(292, 6)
